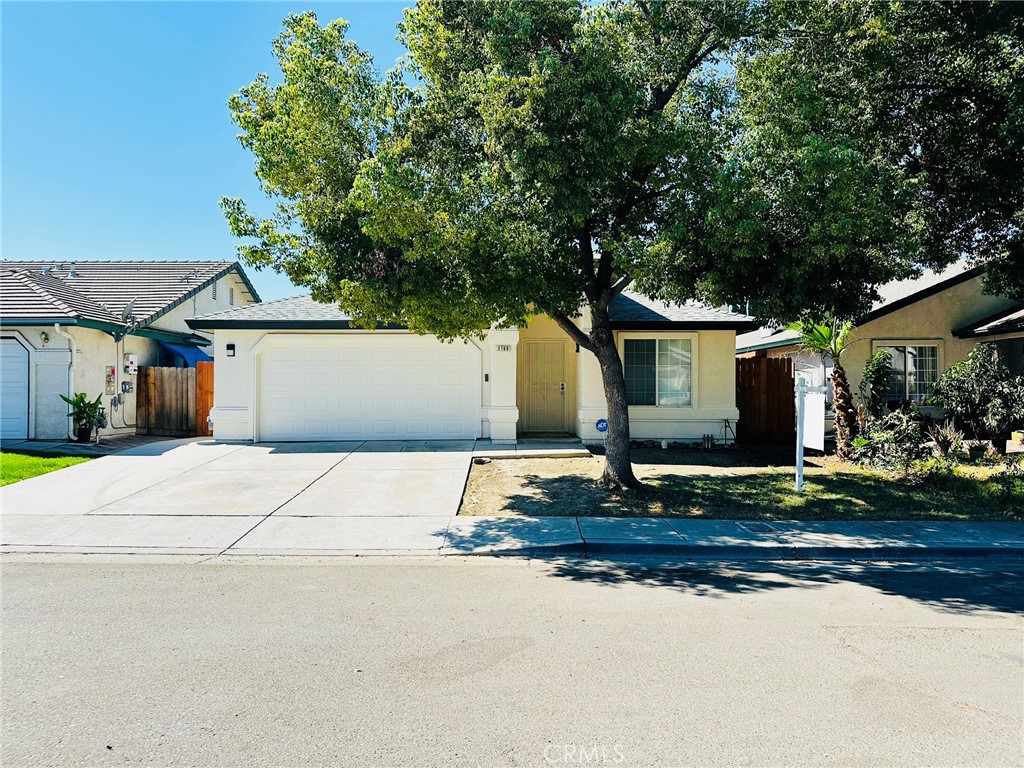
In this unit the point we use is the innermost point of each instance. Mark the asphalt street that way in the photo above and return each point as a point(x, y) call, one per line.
point(494, 662)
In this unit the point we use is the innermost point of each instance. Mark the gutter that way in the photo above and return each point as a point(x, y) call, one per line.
point(73, 346)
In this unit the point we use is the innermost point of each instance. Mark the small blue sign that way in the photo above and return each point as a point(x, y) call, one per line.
point(602, 425)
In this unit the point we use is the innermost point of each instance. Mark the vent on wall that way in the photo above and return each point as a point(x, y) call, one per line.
point(214, 291)
point(231, 296)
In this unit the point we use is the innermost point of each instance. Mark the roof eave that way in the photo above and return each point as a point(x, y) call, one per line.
point(198, 324)
point(924, 293)
point(683, 325)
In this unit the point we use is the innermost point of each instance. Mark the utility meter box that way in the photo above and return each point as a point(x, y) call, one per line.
point(131, 364)
point(111, 379)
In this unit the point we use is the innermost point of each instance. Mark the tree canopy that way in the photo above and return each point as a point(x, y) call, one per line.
point(535, 156)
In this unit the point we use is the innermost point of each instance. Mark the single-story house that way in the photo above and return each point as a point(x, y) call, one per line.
point(295, 369)
point(86, 326)
point(928, 323)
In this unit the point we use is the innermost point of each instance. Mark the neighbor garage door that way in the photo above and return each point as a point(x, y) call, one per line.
point(13, 390)
point(368, 387)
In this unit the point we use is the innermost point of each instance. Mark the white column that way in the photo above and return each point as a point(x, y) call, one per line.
point(500, 412)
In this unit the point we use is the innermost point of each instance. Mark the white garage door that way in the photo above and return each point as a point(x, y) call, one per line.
point(368, 387)
point(13, 390)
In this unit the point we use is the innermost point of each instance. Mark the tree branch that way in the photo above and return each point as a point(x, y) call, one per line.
point(573, 331)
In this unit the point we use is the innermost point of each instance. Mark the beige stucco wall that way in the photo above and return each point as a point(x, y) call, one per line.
point(713, 400)
point(203, 303)
point(931, 321)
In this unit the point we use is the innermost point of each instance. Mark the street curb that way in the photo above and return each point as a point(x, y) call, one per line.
point(740, 552)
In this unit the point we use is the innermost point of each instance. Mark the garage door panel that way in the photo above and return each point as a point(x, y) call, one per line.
point(369, 388)
point(13, 390)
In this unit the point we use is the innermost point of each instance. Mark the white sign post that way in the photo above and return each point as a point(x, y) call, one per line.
point(810, 424)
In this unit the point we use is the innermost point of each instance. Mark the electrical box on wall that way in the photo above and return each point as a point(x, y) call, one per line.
point(111, 379)
point(131, 364)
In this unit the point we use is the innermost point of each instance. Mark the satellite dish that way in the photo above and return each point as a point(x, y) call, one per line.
point(126, 313)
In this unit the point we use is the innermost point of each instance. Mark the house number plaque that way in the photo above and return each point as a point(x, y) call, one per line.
point(503, 347)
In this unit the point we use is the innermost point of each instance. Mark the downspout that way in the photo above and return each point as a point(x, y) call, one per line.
point(73, 346)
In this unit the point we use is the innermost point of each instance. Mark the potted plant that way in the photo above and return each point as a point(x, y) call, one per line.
point(87, 415)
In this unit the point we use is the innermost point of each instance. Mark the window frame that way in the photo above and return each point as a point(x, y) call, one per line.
point(878, 344)
point(620, 343)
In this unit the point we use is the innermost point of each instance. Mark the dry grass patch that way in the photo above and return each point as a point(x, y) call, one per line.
point(736, 484)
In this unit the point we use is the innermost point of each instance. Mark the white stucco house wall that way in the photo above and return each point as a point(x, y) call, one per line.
point(295, 369)
point(64, 327)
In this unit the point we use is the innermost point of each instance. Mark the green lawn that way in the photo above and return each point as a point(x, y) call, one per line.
point(21, 466)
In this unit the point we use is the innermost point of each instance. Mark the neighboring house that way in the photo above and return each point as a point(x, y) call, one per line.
point(928, 323)
point(294, 369)
point(67, 328)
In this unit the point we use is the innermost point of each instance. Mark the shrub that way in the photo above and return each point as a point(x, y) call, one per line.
point(874, 381)
point(892, 443)
point(981, 395)
point(949, 440)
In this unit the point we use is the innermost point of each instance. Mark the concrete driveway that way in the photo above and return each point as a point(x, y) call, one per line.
point(203, 497)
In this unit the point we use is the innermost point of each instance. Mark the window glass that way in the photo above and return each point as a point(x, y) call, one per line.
point(640, 365)
point(915, 370)
point(922, 371)
point(674, 372)
point(658, 372)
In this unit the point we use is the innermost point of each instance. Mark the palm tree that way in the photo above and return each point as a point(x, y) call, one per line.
point(829, 338)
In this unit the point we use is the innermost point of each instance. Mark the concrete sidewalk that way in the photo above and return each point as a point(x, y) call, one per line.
point(517, 536)
point(598, 536)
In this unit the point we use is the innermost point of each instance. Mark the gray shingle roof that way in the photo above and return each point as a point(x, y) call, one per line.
point(100, 290)
point(628, 310)
point(632, 309)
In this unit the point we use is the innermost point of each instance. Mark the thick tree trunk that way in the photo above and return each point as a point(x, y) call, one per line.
point(618, 466)
point(846, 413)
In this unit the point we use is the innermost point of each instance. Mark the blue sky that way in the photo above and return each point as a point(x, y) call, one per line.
point(117, 141)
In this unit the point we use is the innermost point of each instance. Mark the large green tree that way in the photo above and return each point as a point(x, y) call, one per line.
point(537, 157)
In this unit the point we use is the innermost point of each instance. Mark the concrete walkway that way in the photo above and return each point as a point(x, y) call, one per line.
point(200, 497)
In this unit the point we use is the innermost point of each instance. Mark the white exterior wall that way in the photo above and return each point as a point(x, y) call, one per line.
point(234, 391)
point(714, 398)
point(49, 363)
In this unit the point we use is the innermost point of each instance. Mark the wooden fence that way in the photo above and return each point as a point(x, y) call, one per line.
point(766, 401)
point(174, 402)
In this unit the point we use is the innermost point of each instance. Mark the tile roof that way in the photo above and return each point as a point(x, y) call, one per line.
point(892, 296)
point(628, 310)
point(25, 294)
point(100, 290)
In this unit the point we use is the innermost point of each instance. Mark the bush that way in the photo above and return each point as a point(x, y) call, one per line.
point(981, 395)
point(874, 381)
point(892, 443)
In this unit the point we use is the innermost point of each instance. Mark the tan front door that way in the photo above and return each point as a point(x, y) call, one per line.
point(543, 401)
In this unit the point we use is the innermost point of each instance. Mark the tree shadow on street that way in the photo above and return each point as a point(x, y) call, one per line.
point(955, 587)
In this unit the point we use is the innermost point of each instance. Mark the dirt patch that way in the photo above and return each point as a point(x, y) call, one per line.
point(726, 484)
